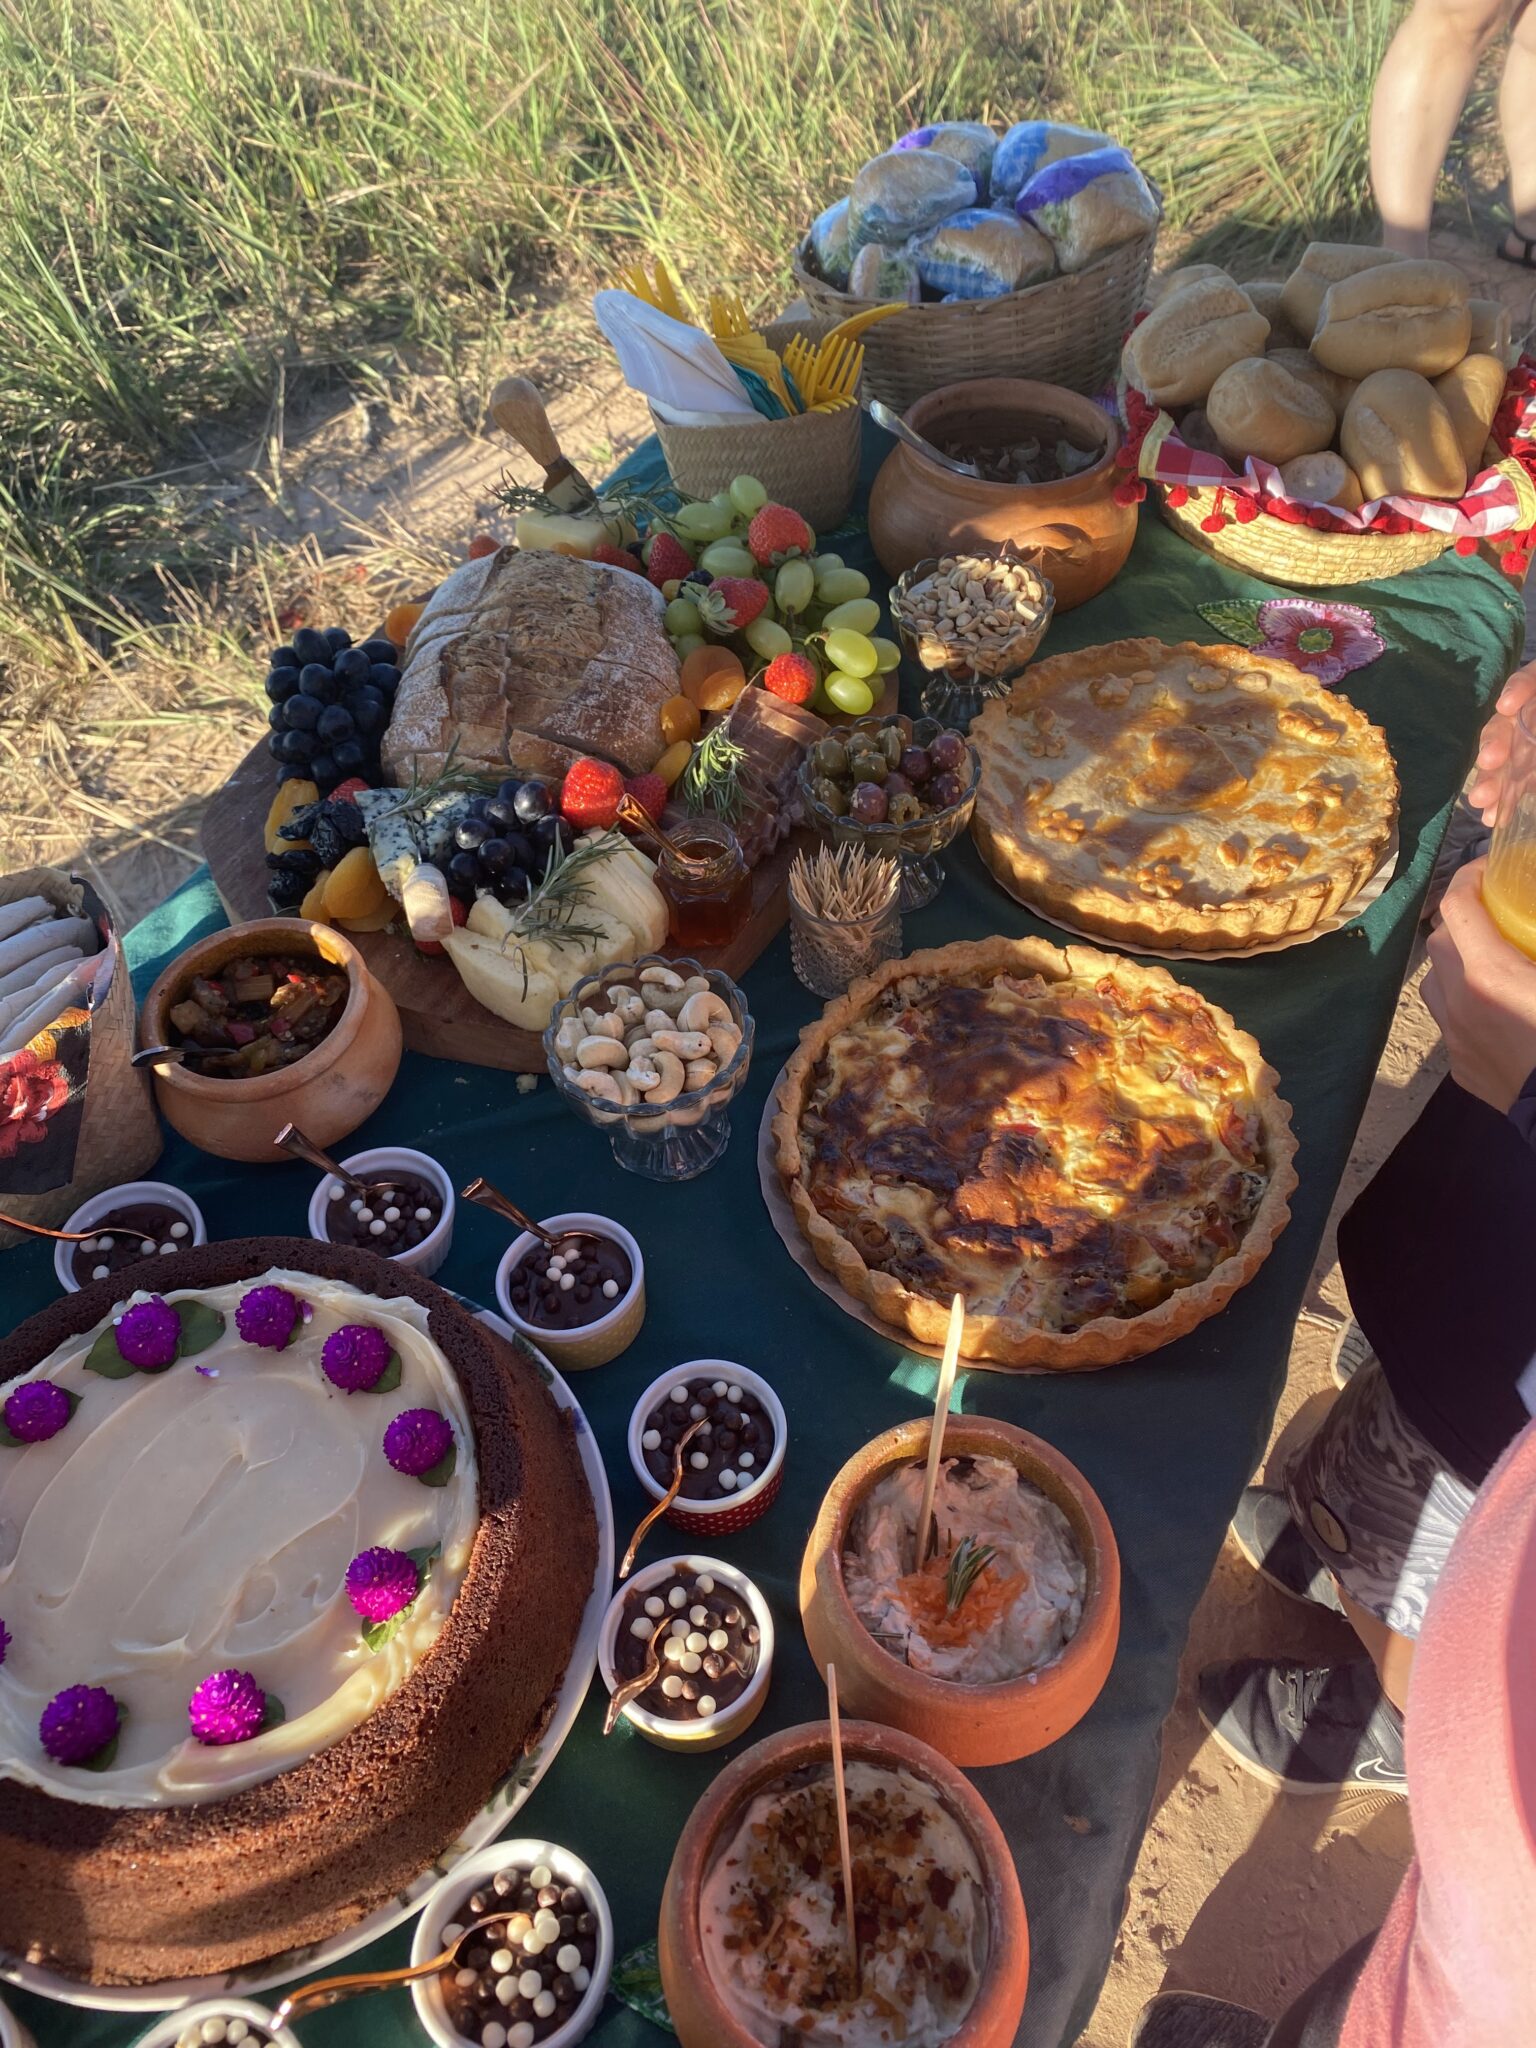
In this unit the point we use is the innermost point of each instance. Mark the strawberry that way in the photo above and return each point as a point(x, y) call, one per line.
point(792, 677)
point(483, 544)
point(669, 560)
point(344, 792)
point(590, 793)
point(731, 602)
point(650, 793)
point(458, 911)
point(776, 533)
point(615, 557)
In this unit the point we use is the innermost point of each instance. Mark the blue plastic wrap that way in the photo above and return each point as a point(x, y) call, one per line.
point(971, 143)
point(881, 273)
point(1088, 204)
point(1029, 146)
point(980, 254)
point(903, 194)
point(829, 244)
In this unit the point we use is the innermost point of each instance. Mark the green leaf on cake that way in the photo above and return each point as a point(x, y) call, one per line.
point(443, 1470)
point(106, 1755)
point(201, 1326)
point(389, 1378)
point(105, 1358)
point(424, 1559)
point(1235, 618)
point(274, 1714)
point(9, 1442)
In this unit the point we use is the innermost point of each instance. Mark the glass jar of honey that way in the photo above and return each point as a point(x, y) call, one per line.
point(709, 894)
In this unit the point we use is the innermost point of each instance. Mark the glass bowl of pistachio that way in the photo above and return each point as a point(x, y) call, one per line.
point(972, 623)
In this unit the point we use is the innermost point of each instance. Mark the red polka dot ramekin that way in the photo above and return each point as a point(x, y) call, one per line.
point(733, 1512)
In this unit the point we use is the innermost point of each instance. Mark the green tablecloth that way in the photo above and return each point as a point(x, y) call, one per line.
point(1168, 1442)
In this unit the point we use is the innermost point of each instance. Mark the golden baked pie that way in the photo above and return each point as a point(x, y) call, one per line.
point(1186, 798)
point(1089, 1152)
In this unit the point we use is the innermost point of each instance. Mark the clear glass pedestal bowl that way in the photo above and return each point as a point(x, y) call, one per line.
point(916, 846)
point(682, 1138)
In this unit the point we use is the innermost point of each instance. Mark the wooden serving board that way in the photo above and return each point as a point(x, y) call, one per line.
point(437, 1013)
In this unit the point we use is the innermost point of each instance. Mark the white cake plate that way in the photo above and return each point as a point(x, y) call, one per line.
point(491, 1821)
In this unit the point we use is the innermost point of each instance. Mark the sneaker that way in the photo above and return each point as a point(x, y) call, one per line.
point(1306, 1727)
point(1351, 1351)
point(1268, 1537)
point(1188, 2019)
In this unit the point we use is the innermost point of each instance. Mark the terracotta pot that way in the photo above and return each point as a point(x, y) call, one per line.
point(327, 1094)
point(917, 508)
point(701, 2017)
point(970, 1724)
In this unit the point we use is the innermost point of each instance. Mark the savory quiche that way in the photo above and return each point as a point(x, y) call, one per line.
point(1089, 1152)
point(1183, 798)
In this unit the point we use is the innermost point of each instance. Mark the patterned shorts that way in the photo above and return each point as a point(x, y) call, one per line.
point(1375, 1502)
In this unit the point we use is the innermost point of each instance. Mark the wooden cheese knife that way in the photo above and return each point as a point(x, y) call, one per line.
point(518, 410)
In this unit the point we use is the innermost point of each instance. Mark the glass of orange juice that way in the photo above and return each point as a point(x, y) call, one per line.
point(1509, 881)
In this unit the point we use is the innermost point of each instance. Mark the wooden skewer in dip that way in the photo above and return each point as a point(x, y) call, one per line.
point(845, 1848)
point(936, 1438)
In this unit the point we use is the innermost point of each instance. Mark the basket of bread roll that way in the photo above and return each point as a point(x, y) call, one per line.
point(1015, 254)
point(1348, 423)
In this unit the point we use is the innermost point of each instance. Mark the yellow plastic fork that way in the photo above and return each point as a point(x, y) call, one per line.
point(838, 368)
point(751, 352)
point(800, 361)
point(662, 293)
point(728, 315)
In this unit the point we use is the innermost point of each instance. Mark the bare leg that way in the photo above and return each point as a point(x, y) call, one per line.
point(1391, 1653)
point(1517, 120)
point(1421, 89)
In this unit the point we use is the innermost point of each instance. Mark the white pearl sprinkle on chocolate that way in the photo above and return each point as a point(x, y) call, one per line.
point(502, 1960)
point(391, 1215)
point(698, 1616)
point(728, 1479)
point(180, 1230)
point(680, 1396)
point(422, 1215)
point(718, 1639)
point(697, 1412)
point(677, 1596)
point(544, 2005)
point(146, 1245)
point(567, 1282)
point(610, 1293)
point(506, 1990)
point(166, 1248)
point(464, 1979)
point(651, 1441)
point(451, 1933)
point(672, 1649)
point(334, 1191)
point(746, 1461)
point(538, 1877)
point(655, 1607)
point(522, 2035)
point(698, 1460)
point(706, 1704)
point(530, 1984)
point(493, 2035)
point(718, 1389)
point(356, 1205)
point(672, 1686)
point(690, 1661)
point(640, 1627)
point(697, 1642)
point(704, 1583)
point(101, 1272)
point(377, 1227)
point(581, 1978)
point(365, 1214)
point(733, 1394)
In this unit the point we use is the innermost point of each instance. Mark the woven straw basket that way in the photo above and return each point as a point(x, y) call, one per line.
point(1065, 331)
point(1301, 557)
point(810, 461)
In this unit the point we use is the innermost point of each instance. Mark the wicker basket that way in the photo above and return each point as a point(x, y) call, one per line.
point(810, 461)
point(1301, 557)
point(1065, 331)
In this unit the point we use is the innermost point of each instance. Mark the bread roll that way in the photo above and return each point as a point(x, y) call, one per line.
point(1492, 333)
point(1258, 408)
point(1323, 264)
point(1304, 366)
point(1265, 294)
point(1404, 316)
point(1472, 393)
point(1184, 344)
point(1173, 281)
point(1323, 479)
point(1399, 439)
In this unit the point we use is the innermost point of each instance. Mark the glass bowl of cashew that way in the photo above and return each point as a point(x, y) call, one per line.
point(653, 1052)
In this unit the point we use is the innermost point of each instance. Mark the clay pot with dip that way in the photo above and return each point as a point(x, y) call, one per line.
point(970, 1723)
point(701, 2012)
point(338, 1082)
point(919, 509)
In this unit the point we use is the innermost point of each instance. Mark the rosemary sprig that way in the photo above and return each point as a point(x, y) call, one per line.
point(712, 779)
point(968, 1560)
point(451, 779)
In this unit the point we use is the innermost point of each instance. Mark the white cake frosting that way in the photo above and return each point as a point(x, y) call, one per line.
point(202, 1519)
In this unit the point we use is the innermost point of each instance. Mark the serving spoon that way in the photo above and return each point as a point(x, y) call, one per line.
point(490, 1197)
point(332, 1990)
point(893, 423)
point(291, 1139)
point(73, 1236)
point(634, 814)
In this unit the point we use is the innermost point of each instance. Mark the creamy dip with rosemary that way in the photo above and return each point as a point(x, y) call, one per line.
point(1001, 1593)
point(771, 1914)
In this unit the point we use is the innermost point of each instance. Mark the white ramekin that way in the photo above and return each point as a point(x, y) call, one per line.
point(592, 1343)
point(726, 1723)
point(170, 2026)
point(733, 1511)
point(442, 1907)
point(100, 1206)
point(12, 2033)
point(423, 1258)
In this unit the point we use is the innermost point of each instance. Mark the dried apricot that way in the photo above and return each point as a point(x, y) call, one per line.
point(290, 798)
point(707, 661)
point(718, 692)
point(354, 889)
point(679, 720)
point(399, 620)
point(674, 761)
point(375, 921)
point(313, 906)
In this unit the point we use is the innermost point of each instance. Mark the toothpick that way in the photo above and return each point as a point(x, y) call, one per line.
point(940, 1416)
point(845, 1848)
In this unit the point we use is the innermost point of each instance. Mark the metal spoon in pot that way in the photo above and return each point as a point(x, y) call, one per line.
point(491, 1197)
point(292, 1140)
point(893, 423)
point(332, 1990)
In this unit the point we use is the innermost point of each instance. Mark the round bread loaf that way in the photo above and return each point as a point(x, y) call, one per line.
point(1471, 393)
point(140, 1895)
point(1322, 265)
point(1185, 343)
point(1400, 441)
point(1173, 281)
point(1492, 329)
point(1304, 365)
point(1258, 408)
point(1399, 316)
point(1265, 296)
point(1323, 479)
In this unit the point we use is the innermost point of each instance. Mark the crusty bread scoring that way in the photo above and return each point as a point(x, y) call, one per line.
point(1185, 343)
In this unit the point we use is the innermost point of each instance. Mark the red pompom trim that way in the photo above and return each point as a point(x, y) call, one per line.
point(1212, 523)
point(1247, 511)
point(1515, 562)
point(1178, 497)
point(1466, 545)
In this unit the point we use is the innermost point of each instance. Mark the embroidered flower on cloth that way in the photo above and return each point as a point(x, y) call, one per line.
point(31, 1091)
point(1328, 641)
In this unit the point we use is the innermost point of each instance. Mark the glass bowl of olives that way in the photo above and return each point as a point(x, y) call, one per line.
point(895, 785)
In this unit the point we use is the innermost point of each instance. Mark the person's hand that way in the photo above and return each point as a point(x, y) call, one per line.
point(1481, 991)
point(1493, 750)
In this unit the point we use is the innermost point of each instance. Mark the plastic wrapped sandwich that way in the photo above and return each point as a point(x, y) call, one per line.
point(829, 244)
point(1029, 146)
point(881, 273)
point(980, 254)
point(1088, 204)
point(971, 143)
point(903, 194)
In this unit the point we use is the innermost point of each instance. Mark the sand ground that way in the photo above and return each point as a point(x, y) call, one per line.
point(1238, 1890)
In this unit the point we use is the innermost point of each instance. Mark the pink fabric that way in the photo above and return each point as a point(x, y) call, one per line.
point(1455, 1963)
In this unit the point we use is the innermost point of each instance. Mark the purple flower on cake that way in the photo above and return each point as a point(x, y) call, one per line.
point(382, 1583)
point(35, 1412)
point(268, 1316)
point(355, 1357)
point(148, 1334)
point(78, 1723)
point(229, 1706)
point(417, 1440)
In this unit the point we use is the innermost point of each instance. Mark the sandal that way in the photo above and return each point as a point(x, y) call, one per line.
point(1526, 260)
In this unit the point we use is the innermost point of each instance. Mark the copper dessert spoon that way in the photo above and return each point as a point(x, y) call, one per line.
point(332, 1990)
point(73, 1236)
point(634, 814)
point(490, 1197)
point(292, 1140)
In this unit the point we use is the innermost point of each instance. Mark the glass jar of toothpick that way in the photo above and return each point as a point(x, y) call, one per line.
point(844, 916)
